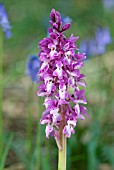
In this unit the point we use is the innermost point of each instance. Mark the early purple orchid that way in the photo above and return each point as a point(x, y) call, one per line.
point(60, 79)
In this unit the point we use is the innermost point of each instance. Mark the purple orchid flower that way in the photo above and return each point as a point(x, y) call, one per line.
point(60, 79)
point(65, 20)
point(4, 23)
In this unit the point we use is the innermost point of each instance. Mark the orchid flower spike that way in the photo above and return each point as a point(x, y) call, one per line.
point(60, 80)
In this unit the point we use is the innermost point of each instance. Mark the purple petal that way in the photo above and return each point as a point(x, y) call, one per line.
point(66, 27)
point(48, 130)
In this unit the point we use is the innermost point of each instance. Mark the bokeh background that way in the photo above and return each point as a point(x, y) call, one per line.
point(92, 145)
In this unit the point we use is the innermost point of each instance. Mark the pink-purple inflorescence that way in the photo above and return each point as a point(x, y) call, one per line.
point(60, 79)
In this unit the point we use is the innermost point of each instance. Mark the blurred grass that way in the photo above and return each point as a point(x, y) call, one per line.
point(1, 94)
point(5, 153)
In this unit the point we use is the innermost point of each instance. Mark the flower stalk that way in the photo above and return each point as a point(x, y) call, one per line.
point(63, 142)
point(62, 153)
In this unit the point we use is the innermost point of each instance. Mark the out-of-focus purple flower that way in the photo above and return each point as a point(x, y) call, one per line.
point(103, 36)
point(100, 48)
point(66, 20)
point(4, 23)
point(89, 46)
point(32, 67)
point(92, 50)
point(84, 47)
point(58, 74)
point(97, 46)
point(108, 4)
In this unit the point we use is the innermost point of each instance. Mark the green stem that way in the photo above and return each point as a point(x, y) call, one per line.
point(1, 92)
point(62, 153)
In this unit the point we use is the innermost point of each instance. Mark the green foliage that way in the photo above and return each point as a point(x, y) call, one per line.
point(93, 142)
point(5, 153)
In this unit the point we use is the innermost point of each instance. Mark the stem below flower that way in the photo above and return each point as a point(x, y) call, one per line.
point(62, 152)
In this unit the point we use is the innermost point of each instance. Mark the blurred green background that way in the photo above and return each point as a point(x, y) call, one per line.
point(92, 145)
